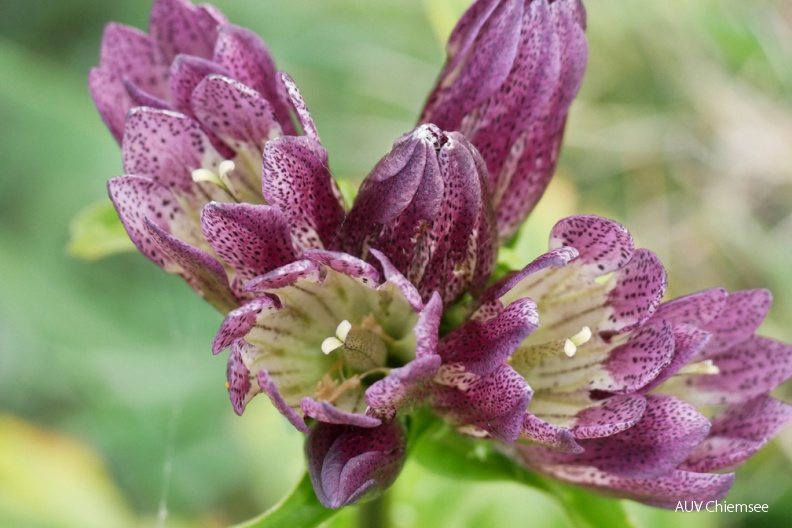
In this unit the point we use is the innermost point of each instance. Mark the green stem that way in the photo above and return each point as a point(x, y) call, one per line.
point(374, 514)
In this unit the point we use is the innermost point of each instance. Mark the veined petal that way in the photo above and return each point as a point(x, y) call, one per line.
point(248, 59)
point(739, 432)
point(135, 56)
point(180, 27)
point(252, 239)
point(111, 99)
point(347, 463)
point(346, 264)
point(283, 276)
point(297, 181)
point(238, 322)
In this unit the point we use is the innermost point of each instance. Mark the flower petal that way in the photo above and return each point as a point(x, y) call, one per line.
point(688, 341)
point(180, 27)
point(268, 387)
point(283, 276)
point(135, 56)
point(608, 417)
point(755, 366)
point(603, 245)
point(664, 437)
point(248, 59)
point(739, 432)
point(326, 412)
point(252, 239)
point(111, 99)
point(346, 264)
point(300, 108)
point(483, 346)
point(536, 430)
point(741, 316)
point(297, 181)
point(402, 387)
point(238, 376)
point(697, 309)
point(238, 322)
point(494, 403)
point(168, 147)
point(186, 72)
point(394, 276)
point(347, 463)
point(639, 361)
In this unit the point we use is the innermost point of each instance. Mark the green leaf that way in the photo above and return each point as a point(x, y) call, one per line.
point(299, 509)
point(444, 451)
point(97, 232)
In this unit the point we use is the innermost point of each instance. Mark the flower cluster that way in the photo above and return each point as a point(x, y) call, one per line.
point(574, 365)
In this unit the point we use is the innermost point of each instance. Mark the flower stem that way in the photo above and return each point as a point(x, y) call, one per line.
point(374, 514)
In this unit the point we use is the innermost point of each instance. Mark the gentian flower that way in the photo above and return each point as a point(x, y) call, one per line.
point(617, 376)
point(513, 68)
point(426, 207)
point(210, 129)
point(329, 340)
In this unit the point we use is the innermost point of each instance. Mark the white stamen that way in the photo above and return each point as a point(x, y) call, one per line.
point(581, 338)
point(219, 178)
point(330, 344)
point(223, 169)
point(337, 341)
point(702, 367)
point(343, 330)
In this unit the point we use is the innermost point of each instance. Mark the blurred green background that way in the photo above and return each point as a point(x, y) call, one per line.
point(112, 409)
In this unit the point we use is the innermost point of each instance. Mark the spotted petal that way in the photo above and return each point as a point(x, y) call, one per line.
point(111, 99)
point(180, 27)
point(135, 56)
point(347, 463)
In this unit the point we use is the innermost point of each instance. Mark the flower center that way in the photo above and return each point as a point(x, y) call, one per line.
point(362, 347)
point(219, 178)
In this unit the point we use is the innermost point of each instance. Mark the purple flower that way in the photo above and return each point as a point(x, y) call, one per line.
point(207, 166)
point(513, 69)
point(329, 340)
point(617, 376)
point(426, 207)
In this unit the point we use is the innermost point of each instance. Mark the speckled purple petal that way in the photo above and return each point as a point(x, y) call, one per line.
point(481, 52)
point(248, 59)
point(135, 56)
point(554, 258)
point(696, 309)
point(347, 463)
point(603, 245)
point(402, 387)
point(326, 412)
point(346, 264)
point(639, 289)
point(186, 72)
point(755, 366)
point(739, 432)
point(742, 314)
point(167, 147)
point(394, 276)
point(202, 271)
point(664, 437)
point(665, 491)
point(283, 276)
point(427, 328)
point(608, 417)
point(111, 99)
point(640, 360)
point(268, 387)
point(482, 347)
point(688, 341)
point(300, 108)
point(180, 27)
point(238, 322)
point(252, 239)
point(296, 179)
point(536, 430)
point(143, 98)
point(239, 378)
point(494, 403)
point(238, 115)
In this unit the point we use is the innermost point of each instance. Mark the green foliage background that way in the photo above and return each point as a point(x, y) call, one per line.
point(113, 408)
